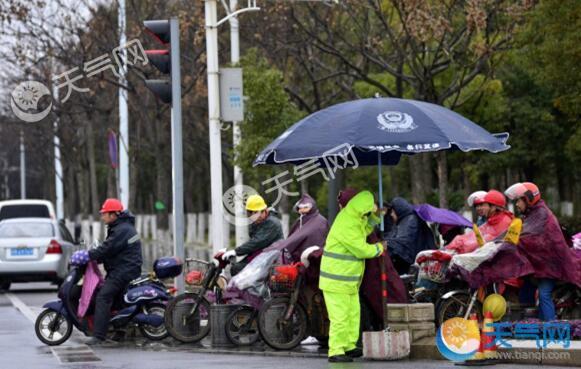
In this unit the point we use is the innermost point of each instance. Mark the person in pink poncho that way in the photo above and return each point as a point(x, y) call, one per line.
point(497, 222)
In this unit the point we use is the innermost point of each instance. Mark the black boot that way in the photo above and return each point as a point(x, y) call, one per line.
point(340, 359)
point(356, 352)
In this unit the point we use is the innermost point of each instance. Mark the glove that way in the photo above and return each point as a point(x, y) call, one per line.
point(306, 253)
point(228, 254)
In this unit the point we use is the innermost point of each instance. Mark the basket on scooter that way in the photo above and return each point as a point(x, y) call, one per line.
point(196, 271)
point(434, 270)
point(282, 278)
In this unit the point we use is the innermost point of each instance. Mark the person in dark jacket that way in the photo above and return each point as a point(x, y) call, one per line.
point(121, 256)
point(264, 231)
point(408, 236)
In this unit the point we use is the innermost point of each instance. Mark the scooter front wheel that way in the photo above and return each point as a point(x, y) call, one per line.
point(456, 307)
point(278, 331)
point(187, 317)
point(52, 327)
point(242, 326)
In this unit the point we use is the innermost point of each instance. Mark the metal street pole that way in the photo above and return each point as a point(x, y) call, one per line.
point(22, 167)
point(58, 168)
point(58, 175)
point(241, 231)
point(176, 144)
point(214, 122)
point(123, 114)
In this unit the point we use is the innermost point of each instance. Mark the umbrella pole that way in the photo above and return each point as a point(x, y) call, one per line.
point(383, 256)
point(380, 205)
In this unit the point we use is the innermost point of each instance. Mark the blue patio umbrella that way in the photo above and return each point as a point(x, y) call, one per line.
point(377, 131)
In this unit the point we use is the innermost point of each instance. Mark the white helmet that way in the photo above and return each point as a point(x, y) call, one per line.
point(475, 198)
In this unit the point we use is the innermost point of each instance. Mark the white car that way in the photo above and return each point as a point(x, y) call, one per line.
point(26, 209)
point(34, 249)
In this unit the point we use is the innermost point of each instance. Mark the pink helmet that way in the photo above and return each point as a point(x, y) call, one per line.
point(475, 198)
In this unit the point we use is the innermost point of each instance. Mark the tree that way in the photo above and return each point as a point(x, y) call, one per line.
point(431, 49)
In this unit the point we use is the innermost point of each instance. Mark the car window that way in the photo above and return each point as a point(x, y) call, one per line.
point(24, 211)
point(65, 234)
point(28, 229)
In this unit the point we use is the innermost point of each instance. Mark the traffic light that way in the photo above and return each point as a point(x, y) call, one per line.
point(162, 58)
point(169, 91)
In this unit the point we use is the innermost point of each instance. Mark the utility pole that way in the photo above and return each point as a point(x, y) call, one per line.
point(241, 231)
point(212, 24)
point(214, 122)
point(123, 113)
point(22, 167)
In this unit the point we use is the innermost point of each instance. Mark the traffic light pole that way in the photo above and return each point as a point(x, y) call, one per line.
point(176, 144)
point(123, 114)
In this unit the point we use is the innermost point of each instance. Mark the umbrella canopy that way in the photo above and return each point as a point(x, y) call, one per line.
point(433, 214)
point(388, 126)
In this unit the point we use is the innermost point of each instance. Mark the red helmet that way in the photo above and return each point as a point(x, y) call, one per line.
point(527, 190)
point(111, 206)
point(495, 197)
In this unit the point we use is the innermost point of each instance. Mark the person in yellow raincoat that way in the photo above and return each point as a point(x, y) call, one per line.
point(342, 268)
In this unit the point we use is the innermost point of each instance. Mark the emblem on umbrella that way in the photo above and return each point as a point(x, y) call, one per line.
point(396, 122)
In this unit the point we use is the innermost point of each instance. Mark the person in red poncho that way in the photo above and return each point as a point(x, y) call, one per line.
point(543, 244)
point(497, 222)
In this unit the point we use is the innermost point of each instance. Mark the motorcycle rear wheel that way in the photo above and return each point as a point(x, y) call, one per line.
point(149, 331)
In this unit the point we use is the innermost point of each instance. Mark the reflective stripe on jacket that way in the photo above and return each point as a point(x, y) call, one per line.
point(346, 249)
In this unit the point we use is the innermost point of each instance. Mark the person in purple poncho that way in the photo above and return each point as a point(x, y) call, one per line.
point(308, 231)
point(543, 244)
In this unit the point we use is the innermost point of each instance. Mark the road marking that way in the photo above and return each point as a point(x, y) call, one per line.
point(64, 354)
point(21, 306)
point(74, 354)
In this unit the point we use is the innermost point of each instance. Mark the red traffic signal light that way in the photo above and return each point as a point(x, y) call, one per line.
point(161, 59)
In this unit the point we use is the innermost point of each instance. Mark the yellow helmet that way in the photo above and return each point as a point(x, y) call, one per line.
point(255, 203)
point(496, 304)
